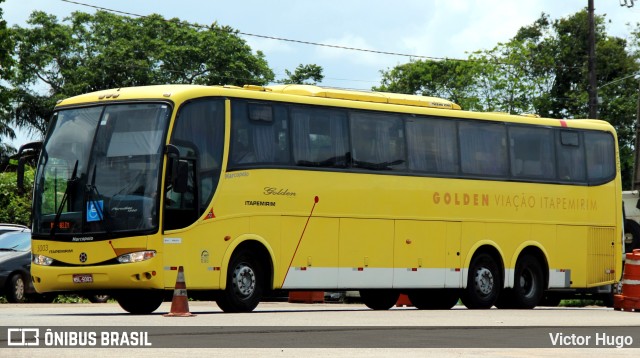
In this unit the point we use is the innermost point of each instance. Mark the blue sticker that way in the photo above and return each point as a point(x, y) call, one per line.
point(93, 213)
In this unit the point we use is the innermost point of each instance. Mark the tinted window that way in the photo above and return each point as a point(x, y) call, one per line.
point(377, 141)
point(532, 152)
point(483, 148)
point(259, 134)
point(199, 135)
point(319, 137)
point(571, 166)
point(432, 145)
point(601, 157)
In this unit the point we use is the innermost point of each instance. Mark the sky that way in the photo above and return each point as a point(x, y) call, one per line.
point(432, 28)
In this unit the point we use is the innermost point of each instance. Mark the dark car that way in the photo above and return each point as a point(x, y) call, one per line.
point(15, 264)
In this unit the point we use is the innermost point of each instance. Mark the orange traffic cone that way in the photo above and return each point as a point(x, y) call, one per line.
point(180, 303)
point(403, 300)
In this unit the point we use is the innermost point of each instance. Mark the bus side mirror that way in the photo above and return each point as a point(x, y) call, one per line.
point(27, 152)
point(173, 156)
point(178, 172)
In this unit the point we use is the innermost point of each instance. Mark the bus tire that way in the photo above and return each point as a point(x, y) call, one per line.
point(379, 300)
point(528, 286)
point(140, 302)
point(434, 299)
point(483, 283)
point(632, 229)
point(244, 284)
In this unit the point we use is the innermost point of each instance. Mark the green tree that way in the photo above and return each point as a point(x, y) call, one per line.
point(88, 52)
point(304, 75)
point(451, 79)
point(6, 67)
point(16, 205)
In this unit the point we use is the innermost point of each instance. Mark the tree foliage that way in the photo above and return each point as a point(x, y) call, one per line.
point(16, 205)
point(309, 74)
point(6, 67)
point(89, 52)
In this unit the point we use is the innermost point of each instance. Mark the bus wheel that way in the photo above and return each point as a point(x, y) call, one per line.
point(379, 299)
point(244, 284)
point(434, 299)
point(483, 283)
point(632, 235)
point(140, 302)
point(528, 286)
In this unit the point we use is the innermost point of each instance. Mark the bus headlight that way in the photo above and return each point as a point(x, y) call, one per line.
point(136, 256)
point(42, 260)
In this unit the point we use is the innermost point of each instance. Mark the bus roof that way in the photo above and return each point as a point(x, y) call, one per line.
point(292, 90)
point(311, 94)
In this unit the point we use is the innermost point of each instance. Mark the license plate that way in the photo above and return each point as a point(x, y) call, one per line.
point(83, 278)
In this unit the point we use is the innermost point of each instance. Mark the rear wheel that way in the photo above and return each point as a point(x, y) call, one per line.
point(245, 284)
point(434, 299)
point(528, 287)
point(16, 291)
point(140, 302)
point(379, 299)
point(483, 283)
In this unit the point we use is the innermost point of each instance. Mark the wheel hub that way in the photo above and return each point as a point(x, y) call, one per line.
point(244, 280)
point(484, 281)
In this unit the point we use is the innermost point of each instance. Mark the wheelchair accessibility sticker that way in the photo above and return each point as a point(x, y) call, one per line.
point(95, 210)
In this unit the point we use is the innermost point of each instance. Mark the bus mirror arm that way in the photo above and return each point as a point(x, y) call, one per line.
point(178, 170)
point(173, 155)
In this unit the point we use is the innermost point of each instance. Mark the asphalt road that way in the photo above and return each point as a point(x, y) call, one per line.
point(279, 329)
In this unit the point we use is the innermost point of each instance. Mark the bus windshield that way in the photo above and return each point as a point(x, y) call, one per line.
point(99, 171)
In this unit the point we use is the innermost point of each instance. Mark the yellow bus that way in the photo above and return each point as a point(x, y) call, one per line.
point(253, 189)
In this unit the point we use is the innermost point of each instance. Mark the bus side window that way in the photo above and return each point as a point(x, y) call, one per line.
point(259, 134)
point(570, 153)
point(378, 141)
point(432, 145)
point(483, 148)
point(601, 165)
point(532, 154)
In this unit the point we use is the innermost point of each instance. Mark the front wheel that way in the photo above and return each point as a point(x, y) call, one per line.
point(140, 302)
point(379, 299)
point(244, 284)
point(483, 283)
point(16, 292)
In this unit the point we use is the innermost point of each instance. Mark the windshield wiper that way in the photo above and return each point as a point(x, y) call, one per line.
point(71, 182)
